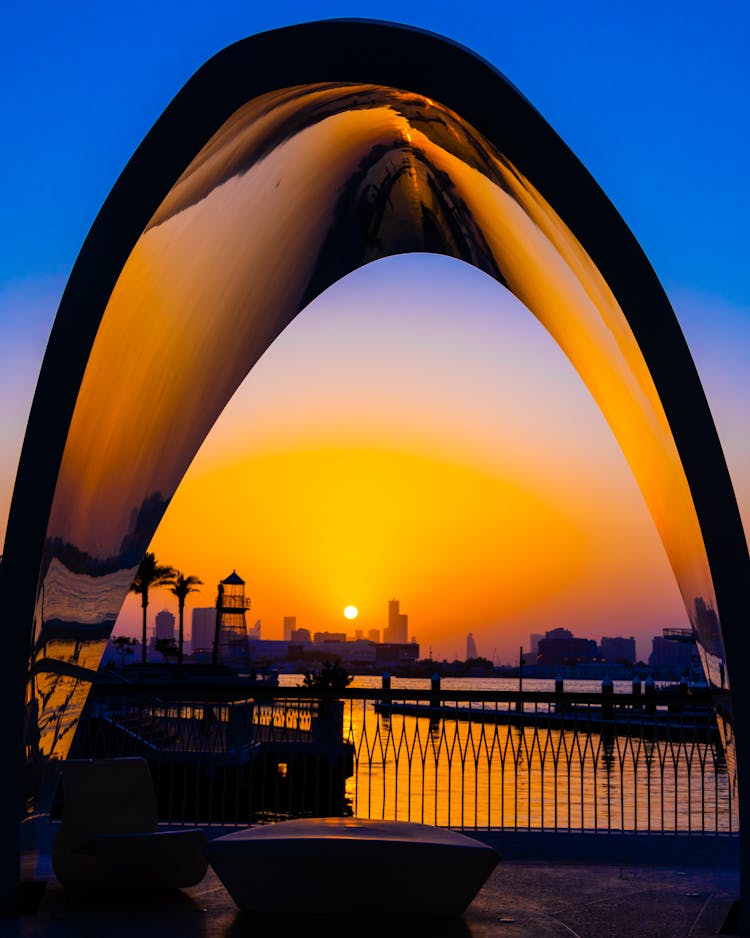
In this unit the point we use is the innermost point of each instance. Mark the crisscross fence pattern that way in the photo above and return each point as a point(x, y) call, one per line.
point(466, 759)
point(541, 761)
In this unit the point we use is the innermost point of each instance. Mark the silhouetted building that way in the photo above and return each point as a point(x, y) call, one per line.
point(535, 638)
point(203, 629)
point(557, 633)
point(360, 651)
point(559, 646)
point(392, 653)
point(290, 624)
point(266, 651)
point(617, 650)
point(674, 653)
point(374, 635)
point(349, 653)
point(396, 632)
point(471, 647)
point(329, 637)
point(164, 625)
point(300, 636)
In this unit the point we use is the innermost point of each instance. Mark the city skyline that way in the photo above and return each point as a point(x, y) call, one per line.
point(412, 456)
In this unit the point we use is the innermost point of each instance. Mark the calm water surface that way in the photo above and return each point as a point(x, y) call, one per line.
point(486, 774)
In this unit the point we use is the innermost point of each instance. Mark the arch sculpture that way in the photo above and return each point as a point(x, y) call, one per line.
point(287, 161)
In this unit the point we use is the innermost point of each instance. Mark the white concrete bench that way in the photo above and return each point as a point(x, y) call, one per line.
point(345, 866)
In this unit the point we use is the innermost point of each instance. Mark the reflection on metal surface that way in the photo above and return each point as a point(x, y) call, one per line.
point(298, 188)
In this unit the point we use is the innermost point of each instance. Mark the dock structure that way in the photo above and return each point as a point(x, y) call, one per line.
point(648, 720)
point(277, 757)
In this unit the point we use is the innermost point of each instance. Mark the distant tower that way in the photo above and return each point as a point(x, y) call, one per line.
point(398, 624)
point(164, 625)
point(471, 647)
point(203, 628)
point(230, 636)
point(290, 624)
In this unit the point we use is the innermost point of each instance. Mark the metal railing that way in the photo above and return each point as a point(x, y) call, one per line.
point(468, 759)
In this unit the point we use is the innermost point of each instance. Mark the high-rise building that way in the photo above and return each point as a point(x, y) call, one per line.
point(290, 624)
point(559, 646)
point(617, 649)
point(674, 652)
point(164, 625)
point(398, 624)
point(536, 637)
point(203, 628)
point(471, 647)
point(374, 635)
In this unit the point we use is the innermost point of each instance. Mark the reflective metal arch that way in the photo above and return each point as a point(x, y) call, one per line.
point(535, 161)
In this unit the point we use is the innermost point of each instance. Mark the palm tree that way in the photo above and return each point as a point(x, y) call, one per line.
point(181, 586)
point(150, 573)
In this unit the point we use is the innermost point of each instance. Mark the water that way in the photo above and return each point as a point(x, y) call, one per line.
point(483, 775)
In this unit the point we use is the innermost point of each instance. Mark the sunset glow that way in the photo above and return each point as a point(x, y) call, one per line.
point(191, 315)
point(463, 468)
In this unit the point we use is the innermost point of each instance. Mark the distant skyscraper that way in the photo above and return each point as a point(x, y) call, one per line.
point(674, 651)
point(374, 635)
point(398, 624)
point(290, 624)
point(164, 625)
point(471, 647)
point(534, 645)
point(618, 649)
point(203, 628)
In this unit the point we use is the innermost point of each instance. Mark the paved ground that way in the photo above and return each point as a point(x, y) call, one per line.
point(522, 898)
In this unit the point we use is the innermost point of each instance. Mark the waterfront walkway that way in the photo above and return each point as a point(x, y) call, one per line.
point(549, 898)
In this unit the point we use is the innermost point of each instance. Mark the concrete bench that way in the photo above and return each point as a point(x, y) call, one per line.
point(345, 866)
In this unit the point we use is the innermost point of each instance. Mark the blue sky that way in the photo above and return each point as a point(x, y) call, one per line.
point(653, 97)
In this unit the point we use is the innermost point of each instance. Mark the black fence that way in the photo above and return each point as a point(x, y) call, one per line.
point(467, 759)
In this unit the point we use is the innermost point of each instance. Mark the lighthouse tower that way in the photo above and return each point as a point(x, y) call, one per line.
point(230, 637)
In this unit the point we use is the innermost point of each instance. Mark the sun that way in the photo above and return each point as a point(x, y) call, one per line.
point(351, 612)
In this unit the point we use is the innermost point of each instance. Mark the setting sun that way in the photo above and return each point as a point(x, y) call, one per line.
point(351, 612)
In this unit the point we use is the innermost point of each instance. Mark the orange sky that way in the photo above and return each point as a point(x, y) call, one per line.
point(415, 433)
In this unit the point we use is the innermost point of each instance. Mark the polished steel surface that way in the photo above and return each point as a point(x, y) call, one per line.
point(298, 188)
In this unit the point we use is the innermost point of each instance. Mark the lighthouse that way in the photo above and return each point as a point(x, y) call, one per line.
point(230, 635)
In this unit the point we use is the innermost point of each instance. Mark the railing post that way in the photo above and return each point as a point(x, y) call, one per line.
point(386, 699)
point(608, 690)
point(560, 689)
point(636, 690)
point(435, 689)
point(650, 690)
